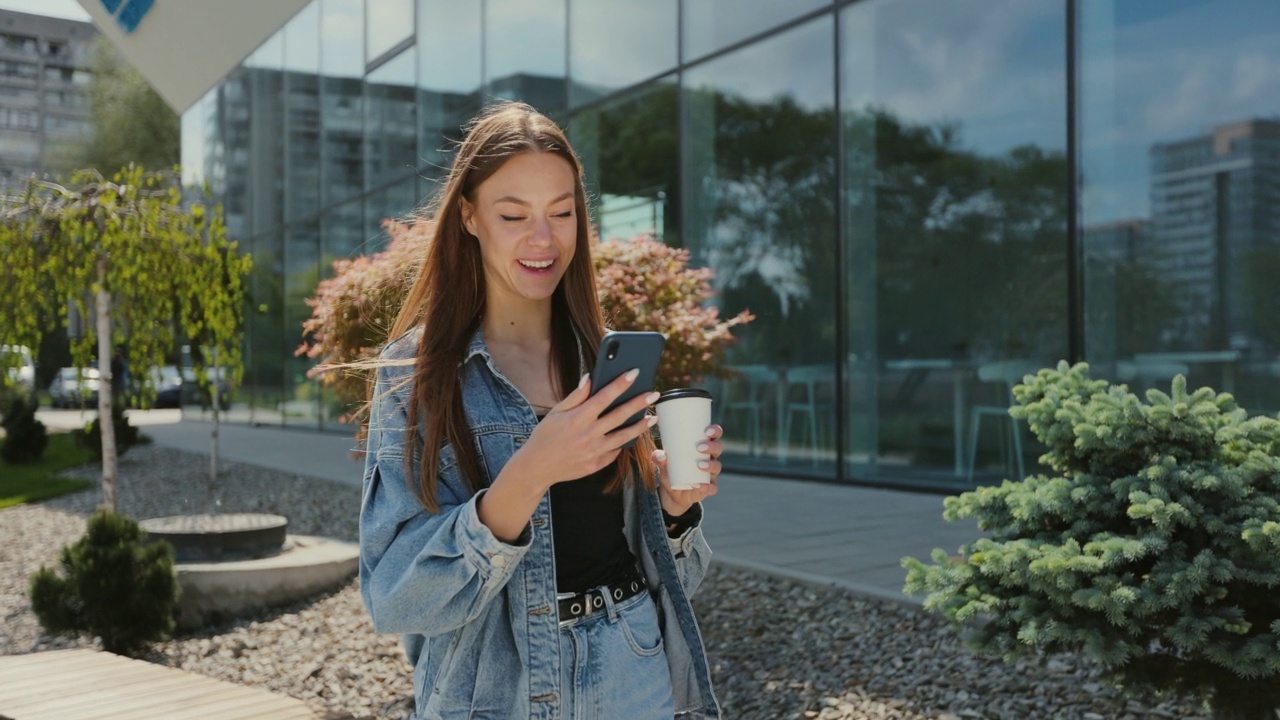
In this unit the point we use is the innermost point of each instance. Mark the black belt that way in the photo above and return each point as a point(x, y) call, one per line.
point(577, 605)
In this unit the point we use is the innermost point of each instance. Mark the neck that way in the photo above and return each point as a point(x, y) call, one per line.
point(524, 324)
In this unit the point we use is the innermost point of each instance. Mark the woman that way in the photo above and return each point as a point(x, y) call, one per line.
point(536, 568)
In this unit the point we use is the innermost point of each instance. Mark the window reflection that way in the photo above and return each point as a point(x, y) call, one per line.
point(709, 25)
point(616, 43)
point(955, 220)
point(630, 153)
point(299, 404)
point(388, 23)
point(391, 120)
point(1181, 165)
point(341, 99)
point(302, 113)
point(524, 51)
point(449, 79)
point(759, 183)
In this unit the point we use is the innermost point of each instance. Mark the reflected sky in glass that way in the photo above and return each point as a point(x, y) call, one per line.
point(302, 41)
point(615, 43)
point(449, 50)
point(524, 37)
point(713, 24)
point(1160, 72)
point(994, 67)
point(388, 22)
point(342, 37)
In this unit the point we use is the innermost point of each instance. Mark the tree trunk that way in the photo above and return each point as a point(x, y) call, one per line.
point(105, 384)
point(214, 498)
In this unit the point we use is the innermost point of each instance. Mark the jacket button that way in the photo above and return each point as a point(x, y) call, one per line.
point(499, 560)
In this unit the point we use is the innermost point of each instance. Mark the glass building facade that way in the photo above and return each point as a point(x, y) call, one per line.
point(919, 201)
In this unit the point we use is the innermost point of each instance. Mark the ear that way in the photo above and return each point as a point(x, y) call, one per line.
point(468, 216)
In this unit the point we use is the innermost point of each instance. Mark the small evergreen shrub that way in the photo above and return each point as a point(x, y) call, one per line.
point(111, 586)
point(1153, 546)
point(25, 437)
point(127, 435)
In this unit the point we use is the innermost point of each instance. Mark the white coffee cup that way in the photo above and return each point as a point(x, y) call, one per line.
point(684, 414)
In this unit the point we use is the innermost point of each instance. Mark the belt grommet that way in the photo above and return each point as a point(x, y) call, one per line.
point(575, 609)
point(617, 594)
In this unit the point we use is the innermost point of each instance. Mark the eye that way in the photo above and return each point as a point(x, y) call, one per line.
point(511, 218)
point(565, 214)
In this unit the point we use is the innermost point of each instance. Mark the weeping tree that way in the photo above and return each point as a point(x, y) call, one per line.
point(136, 256)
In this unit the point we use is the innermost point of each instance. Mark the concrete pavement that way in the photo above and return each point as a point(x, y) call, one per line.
point(821, 533)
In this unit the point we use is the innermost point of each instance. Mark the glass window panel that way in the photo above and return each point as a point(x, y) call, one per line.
point(616, 43)
point(449, 77)
point(342, 100)
point(300, 401)
point(1180, 160)
point(302, 113)
point(391, 120)
point(955, 222)
point(397, 201)
point(390, 22)
point(630, 153)
point(266, 128)
point(265, 346)
point(709, 25)
point(232, 184)
point(343, 237)
point(524, 51)
point(759, 187)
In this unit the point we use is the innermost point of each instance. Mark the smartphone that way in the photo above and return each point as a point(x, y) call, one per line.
point(622, 351)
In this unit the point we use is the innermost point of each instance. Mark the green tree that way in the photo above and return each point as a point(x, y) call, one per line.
point(131, 122)
point(131, 254)
point(1152, 545)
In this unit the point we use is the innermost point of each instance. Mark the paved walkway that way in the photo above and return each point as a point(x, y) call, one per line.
point(822, 533)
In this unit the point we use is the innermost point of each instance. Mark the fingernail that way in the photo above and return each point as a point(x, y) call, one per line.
point(710, 432)
point(583, 382)
point(632, 375)
point(703, 447)
point(651, 420)
point(652, 398)
point(659, 456)
point(704, 465)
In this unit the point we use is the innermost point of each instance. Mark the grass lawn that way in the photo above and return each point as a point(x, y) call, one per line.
point(27, 483)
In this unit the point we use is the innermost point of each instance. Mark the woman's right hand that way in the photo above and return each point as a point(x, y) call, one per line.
point(574, 440)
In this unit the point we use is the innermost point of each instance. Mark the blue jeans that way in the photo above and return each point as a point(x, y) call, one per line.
point(612, 664)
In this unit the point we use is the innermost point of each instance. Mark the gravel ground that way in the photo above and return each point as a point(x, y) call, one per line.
point(777, 649)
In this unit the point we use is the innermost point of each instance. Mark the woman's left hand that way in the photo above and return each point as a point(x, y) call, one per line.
point(678, 502)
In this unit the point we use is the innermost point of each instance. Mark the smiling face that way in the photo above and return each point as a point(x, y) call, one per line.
point(524, 217)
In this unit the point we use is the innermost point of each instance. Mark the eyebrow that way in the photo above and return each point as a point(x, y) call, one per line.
point(518, 201)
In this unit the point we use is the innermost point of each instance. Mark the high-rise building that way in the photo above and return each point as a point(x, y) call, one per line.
point(1215, 209)
point(44, 85)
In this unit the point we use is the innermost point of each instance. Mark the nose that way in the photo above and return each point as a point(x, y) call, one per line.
point(541, 232)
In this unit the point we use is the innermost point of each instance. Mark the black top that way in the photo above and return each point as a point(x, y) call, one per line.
point(586, 530)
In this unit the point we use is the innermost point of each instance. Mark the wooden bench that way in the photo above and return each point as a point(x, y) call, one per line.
point(93, 685)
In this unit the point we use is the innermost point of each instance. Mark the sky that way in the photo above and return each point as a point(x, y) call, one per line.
point(69, 9)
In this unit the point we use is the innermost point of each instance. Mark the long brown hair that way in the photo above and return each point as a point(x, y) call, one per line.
point(448, 301)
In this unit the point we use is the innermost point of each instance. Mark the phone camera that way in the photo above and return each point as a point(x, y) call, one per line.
point(611, 352)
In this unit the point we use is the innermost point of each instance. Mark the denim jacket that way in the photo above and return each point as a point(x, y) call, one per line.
point(479, 615)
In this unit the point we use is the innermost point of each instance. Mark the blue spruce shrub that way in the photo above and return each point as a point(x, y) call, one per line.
point(1153, 546)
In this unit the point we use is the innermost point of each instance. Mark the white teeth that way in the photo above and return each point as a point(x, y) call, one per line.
point(540, 265)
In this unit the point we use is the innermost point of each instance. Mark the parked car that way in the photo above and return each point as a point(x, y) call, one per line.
point(166, 381)
point(20, 370)
point(193, 393)
point(74, 388)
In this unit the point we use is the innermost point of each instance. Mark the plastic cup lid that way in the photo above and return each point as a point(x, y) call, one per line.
point(681, 393)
